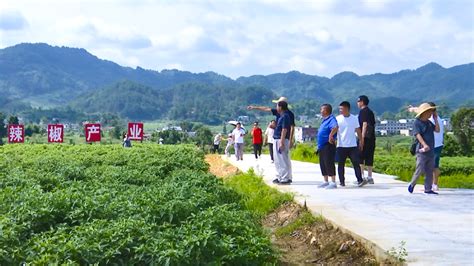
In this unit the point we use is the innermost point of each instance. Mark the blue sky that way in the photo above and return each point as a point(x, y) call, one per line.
point(241, 38)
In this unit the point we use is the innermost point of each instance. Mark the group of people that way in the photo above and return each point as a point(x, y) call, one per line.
point(337, 139)
point(343, 137)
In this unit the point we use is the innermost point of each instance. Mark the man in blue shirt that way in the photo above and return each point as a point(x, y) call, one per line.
point(274, 112)
point(327, 146)
point(281, 146)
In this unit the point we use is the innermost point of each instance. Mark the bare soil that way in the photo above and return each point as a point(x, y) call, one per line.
point(319, 243)
point(219, 167)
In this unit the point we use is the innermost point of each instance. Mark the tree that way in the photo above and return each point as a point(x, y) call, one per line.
point(173, 136)
point(388, 116)
point(116, 132)
point(203, 136)
point(3, 130)
point(186, 126)
point(32, 129)
point(13, 120)
point(463, 128)
point(451, 147)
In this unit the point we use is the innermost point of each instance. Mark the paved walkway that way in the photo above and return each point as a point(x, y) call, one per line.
point(438, 230)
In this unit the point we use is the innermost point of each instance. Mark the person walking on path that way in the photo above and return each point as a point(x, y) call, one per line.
point(348, 125)
point(257, 140)
point(281, 146)
point(438, 146)
point(230, 143)
point(269, 138)
point(423, 130)
point(217, 142)
point(238, 137)
point(367, 125)
point(327, 146)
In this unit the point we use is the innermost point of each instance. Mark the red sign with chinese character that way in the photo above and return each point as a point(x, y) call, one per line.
point(16, 133)
point(92, 132)
point(55, 133)
point(135, 131)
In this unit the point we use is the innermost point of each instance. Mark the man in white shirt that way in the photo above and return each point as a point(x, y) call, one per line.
point(217, 142)
point(438, 147)
point(348, 125)
point(269, 137)
point(238, 137)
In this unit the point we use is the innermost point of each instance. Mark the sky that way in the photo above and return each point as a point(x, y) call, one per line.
point(243, 38)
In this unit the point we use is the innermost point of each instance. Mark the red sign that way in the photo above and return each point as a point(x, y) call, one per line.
point(55, 133)
point(92, 132)
point(16, 133)
point(135, 131)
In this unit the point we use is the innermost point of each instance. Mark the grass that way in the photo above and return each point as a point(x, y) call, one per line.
point(305, 153)
point(262, 199)
point(306, 218)
point(257, 196)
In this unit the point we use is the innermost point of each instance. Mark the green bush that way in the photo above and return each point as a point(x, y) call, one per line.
point(305, 153)
point(102, 204)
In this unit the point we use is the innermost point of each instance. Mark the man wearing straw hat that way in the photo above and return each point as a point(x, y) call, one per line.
point(423, 130)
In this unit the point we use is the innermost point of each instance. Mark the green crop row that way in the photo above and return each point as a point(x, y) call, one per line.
point(99, 204)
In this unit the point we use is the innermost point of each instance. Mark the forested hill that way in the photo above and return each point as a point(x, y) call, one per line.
point(40, 75)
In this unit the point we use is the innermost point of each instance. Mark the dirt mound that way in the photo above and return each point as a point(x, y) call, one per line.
point(315, 243)
point(219, 167)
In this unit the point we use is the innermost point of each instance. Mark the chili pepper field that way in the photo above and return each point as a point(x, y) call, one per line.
point(103, 204)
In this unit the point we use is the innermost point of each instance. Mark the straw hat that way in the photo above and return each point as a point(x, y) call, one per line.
point(282, 99)
point(423, 108)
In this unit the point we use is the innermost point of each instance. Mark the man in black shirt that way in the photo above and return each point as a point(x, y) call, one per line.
point(367, 124)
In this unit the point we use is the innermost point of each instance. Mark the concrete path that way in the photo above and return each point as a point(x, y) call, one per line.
point(438, 230)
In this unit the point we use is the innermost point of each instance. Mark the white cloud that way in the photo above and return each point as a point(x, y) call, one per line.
point(255, 37)
point(305, 65)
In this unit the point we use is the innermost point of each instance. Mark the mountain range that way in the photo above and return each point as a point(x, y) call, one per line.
point(50, 77)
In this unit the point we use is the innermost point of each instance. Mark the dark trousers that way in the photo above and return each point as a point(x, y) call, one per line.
point(215, 149)
point(257, 150)
point(270, 146)
point(353, 154)
point(327, 159)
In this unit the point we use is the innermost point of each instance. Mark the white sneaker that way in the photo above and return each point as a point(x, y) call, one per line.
point(370, 180)
point(435, 187)
point(323, 185)
point(332, 185)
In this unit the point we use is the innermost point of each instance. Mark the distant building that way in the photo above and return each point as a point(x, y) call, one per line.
point(305, 134)
point(447, 124)
point(402, 127)
point(395, 127)
point(175, 128)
